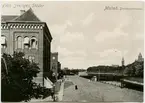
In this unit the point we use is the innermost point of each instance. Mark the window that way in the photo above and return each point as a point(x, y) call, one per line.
point(19, 42)
point(26, 42)
point(34, 43)
point(3, 41)
point(53, 58)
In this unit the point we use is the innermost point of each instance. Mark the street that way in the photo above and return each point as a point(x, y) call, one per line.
point(89, 91)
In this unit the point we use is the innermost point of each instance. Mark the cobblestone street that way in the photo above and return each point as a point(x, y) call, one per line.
point(99, 92)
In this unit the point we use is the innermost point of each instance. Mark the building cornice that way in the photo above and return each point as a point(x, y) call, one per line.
point(27, 25)
point(20, 25)
point(35, 22)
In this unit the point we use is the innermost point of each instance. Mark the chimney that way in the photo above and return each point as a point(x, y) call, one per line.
point(22, 12)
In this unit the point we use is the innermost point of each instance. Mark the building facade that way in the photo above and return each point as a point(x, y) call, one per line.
point(55, 64)
point(26, 33)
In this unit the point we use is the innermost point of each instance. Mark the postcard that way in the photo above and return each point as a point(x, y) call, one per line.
point(72, 51)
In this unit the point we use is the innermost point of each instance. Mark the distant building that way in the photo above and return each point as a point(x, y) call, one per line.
point(55, 64)
point(115, 65)
point(66, 68)
point(26, 33)
point(140, 58)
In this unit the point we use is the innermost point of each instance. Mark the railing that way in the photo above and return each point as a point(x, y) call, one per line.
point(132, 82)
point(99, 73)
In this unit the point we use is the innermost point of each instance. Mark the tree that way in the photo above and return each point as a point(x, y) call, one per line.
point(17, 83)
point(139, 70)
point(134, 69)
point(127, 71)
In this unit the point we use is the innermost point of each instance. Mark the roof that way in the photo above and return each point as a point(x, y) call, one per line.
point(26, 16)
point(5, 18)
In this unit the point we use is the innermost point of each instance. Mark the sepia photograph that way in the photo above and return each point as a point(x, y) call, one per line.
point(72, 51)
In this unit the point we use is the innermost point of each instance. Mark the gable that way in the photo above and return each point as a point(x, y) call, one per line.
point(27, 16)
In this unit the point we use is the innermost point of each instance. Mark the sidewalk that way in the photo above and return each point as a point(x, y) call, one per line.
point(59, 94)
point(48, 99)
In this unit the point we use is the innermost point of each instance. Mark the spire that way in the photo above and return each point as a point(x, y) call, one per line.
point(140, 57)
point(123, 61)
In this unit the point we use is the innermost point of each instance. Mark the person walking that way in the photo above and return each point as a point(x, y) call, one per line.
point(76, 87)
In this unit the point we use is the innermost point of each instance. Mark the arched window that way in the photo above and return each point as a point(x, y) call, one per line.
point(19, 42)
point(3, 41)
point(34, 42)
point(26, 42)
point(53, 58)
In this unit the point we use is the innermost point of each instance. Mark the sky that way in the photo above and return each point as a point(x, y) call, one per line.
point(85, 33)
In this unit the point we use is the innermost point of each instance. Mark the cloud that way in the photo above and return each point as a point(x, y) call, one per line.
point(88, 19)
point(79, 53)
point(105, 35)
point(74, 62)
point(63, 51)
point(72, 37)
point(69, 23)
point(57, 28)
point(139, 36)
point(69, 58)
point(60, 29)
point(110, 53)
point(110, 56)
point(57, 31)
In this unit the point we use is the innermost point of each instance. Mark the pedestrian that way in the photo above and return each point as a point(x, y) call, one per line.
point(76, 87)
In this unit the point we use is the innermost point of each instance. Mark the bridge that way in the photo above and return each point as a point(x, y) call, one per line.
point(102, 76)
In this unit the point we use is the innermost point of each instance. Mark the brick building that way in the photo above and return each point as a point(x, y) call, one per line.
point(55, 64)
point(26, 33)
